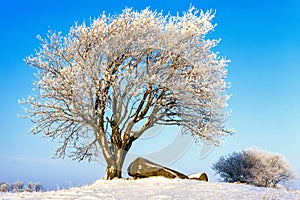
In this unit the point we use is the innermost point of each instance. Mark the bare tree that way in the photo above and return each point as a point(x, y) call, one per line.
point(255, 167)
point(100, 87)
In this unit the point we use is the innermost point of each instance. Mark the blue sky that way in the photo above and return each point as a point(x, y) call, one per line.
point(260, 37)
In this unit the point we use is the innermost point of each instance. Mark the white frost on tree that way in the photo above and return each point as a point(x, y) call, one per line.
point(4, 187)
point(30, 187)
point(37, 187)
point(254, 166)
point(269, 169)
point(100, 87)
point(17, 187)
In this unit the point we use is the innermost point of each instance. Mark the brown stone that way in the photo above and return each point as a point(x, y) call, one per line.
point(199, 176)
point(142, 168)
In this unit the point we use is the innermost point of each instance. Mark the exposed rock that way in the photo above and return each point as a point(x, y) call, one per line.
point(142, 168)
point(199, 176)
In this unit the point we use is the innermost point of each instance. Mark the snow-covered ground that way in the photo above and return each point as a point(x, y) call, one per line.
point(159, 188)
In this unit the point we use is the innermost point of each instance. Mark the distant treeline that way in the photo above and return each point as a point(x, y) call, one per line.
point(19, 187)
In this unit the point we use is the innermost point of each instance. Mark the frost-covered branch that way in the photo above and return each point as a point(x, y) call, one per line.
point(101, 81)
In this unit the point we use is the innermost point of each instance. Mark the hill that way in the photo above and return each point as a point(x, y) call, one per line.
point(159, 188)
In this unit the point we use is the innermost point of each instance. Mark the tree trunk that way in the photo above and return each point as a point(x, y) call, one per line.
point(114, 170)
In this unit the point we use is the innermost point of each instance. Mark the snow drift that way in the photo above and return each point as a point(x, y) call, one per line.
point(159, 188)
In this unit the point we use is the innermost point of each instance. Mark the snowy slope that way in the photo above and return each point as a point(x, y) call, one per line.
point(159, 188)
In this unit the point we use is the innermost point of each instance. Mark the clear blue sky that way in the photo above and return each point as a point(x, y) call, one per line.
point(260, 37)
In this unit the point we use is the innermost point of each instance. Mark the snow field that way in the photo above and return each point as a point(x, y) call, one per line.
point(159, 188)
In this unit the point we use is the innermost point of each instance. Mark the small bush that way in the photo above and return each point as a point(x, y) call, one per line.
point(4, 187)
point(254, 167)
point(38, 187)
point(19, 187)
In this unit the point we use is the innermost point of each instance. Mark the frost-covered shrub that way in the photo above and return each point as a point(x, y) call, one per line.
point(233, 167)
point(17, 187)
point(30, 187)
point(4, 187)
point(254, 167)
point(38, 187)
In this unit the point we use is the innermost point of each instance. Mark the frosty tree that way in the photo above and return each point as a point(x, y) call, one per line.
point(254, 166)
point(4, 187)
point(100, 87)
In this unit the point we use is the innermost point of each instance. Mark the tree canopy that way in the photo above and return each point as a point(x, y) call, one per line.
point(101, 86)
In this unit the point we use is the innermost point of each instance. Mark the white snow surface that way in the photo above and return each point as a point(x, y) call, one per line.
point(159, 188)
